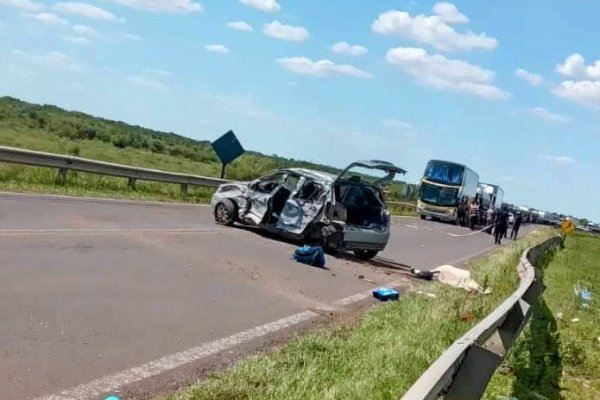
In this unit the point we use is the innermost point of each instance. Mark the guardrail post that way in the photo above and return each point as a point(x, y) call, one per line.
point(62, 175)
point(131, 183)
point(184, 188)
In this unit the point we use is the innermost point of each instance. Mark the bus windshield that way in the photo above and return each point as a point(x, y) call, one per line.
point(438, 195)
point(442, 172)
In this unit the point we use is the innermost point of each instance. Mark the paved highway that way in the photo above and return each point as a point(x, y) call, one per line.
point(89, 288)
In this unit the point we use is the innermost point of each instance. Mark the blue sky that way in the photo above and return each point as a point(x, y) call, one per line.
point(510, 88)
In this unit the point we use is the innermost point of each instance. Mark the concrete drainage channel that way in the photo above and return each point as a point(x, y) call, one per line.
point(464, 370)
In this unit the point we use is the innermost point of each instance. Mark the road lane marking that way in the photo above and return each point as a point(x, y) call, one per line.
point(104, 231)
point(422, 228)
point(109, 200)
point(111, 383)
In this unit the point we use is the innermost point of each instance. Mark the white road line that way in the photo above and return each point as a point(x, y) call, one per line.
point(103, 231)
point(111, 383)
point(113, 200)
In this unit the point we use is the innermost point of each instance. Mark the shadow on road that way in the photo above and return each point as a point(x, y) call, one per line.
point(379, 262)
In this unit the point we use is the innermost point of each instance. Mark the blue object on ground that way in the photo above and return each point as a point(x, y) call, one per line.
point(386, 293)
point(311, 255)
point(113, 398)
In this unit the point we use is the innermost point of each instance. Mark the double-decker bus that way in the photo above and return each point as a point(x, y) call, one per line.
point(445, 191)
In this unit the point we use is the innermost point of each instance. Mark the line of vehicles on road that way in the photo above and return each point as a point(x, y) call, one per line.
point(348, 212)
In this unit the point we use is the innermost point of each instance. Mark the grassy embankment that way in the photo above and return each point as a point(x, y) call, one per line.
point(558, 356)
point(51, 129)
point(380, 355)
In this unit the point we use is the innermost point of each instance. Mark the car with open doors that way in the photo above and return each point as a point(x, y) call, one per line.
point(347, 212)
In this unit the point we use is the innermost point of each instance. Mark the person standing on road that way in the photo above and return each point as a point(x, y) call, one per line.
point(517, 224)
point(489, 221)
point(501, 225)
point(473, 213)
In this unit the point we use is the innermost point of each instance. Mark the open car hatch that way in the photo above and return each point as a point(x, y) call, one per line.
point(390, 169)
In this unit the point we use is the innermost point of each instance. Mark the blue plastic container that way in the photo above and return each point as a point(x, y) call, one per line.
point(386, 294)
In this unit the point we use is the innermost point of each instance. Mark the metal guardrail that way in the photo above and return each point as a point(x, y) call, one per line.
point(464, 370)
point(66, 163)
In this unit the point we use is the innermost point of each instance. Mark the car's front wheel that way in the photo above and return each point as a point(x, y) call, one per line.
point(365, 254)
point(225, 212)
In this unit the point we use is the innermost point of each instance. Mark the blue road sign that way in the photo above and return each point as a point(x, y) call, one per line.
point(228, 147)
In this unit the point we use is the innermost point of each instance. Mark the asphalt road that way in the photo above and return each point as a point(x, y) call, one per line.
point(90, 287)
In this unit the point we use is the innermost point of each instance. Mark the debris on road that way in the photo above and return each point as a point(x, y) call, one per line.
point(427, 294)
point(467, 316)
point(310, 255)
point(584, 295)
point(458, 278)
point(427, 275)
point(362, 278)
point(386, 293)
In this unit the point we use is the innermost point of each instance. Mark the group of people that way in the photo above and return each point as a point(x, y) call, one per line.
point(497, 221)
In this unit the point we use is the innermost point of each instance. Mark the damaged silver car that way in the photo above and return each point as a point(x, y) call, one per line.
point(346, 212)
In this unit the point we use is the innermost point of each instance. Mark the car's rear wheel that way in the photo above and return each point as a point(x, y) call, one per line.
point(365, 254)
point(225, 212)
point(423, 216)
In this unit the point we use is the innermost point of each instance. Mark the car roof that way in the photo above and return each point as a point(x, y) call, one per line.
point(313, 174)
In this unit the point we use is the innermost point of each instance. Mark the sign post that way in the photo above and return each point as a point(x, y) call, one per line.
point(567, 227)
point(228, 148)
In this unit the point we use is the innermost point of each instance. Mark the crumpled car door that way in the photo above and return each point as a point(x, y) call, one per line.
point(302, 207)
point(259, 194)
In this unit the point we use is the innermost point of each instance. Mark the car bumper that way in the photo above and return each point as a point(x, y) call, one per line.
point(365, 239)
point(438, 215)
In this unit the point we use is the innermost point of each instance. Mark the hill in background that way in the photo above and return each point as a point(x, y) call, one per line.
point(53, 129)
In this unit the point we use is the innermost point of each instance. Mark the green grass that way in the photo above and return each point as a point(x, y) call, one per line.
point(556, 358)
point(21, 178)
point(51, 129)
point(378, 357)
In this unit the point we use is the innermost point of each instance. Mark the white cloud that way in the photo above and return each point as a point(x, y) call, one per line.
point(144, 81)
point(217, 48)
point(586, 93)
point(244, 105)
point(86, 10)
point(240, 26)
point(396, 124)
point(263, 5)
point(52, 60)
point(529, 77)
point(433, 30)
point(449, 13)
point(305, 66)
point(546, 115)
point(574, 67)
point(584, 87)
point(132, 37)
point(290, 33)
point(163, 6)
point(442, 73)
point(159, 72)
point(26, 5)
point(77, 39)
point(86, 31)
point(47, 18)
point(559, 160)
point(349, 50)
